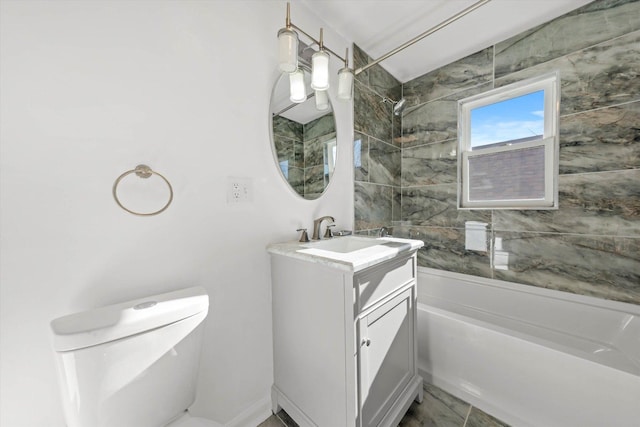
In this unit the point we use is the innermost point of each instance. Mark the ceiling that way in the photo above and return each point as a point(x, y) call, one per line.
point(379, 26)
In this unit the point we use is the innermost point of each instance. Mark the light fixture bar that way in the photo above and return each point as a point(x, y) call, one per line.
point(287, 19)
point(423, 35)
point(318, 42)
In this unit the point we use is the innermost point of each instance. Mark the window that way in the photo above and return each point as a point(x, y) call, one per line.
point(284, 167)
point(508, 146)
point(330, 151)
point(357, 153)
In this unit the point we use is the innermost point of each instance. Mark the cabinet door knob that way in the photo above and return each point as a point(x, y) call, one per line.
point(366, 342)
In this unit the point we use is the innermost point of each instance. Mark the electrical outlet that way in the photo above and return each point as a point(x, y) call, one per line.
point(239, 190)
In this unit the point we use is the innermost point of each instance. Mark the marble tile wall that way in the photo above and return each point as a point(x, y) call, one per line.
point(591, 244)
point(377, 155)
point(588, 26)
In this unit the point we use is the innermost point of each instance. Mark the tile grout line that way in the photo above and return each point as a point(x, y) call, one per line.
point(467, 417)
point(622, 104)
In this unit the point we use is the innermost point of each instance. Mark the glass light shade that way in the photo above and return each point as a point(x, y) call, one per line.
point(287, 50)
point(297, 89)
point(322, 100)
point(345, 84)
point(320, 70)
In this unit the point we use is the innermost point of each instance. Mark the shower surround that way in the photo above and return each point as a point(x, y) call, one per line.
point(405, 173)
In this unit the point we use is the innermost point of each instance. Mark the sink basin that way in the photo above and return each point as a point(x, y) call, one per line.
point(349, 253)
point(343, 245)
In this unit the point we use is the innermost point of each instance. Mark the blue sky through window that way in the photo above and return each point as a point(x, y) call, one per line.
point(284, 167)
point(357, 150)
point(509, 120)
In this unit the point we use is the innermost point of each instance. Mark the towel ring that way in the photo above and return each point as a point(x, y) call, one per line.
point(143, 171)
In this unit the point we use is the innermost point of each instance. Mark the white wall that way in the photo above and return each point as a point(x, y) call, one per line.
point(89, 90)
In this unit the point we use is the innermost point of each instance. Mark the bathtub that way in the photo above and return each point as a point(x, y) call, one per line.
point(530, 356)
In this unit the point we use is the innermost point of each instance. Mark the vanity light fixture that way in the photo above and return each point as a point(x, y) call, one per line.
point(287, 47)
point(288, 61)
point(297, 87)
point(322, 100)
point(288, 57)
point(320, 68)
point(345, 81)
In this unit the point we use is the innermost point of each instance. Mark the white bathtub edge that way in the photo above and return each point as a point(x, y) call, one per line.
point(530, 289)
point(506, 374)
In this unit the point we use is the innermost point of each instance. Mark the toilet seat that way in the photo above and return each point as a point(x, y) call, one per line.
point(188, 421)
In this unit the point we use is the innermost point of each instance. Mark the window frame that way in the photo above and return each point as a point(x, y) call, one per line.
point(550, 84)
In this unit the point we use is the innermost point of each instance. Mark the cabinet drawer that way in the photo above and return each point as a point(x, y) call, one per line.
point(371, 286)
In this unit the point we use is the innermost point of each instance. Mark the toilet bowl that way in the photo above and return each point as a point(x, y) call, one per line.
point(133, 364)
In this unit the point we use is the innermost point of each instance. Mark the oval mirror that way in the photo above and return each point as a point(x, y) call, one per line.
point(303, 138)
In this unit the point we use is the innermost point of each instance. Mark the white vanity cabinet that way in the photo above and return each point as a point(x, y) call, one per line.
point(344, 340)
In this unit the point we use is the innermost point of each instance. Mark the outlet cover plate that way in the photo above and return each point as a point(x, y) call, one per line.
point(239, 190)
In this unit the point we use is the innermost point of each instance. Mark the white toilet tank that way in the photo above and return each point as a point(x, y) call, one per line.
point(132, 364)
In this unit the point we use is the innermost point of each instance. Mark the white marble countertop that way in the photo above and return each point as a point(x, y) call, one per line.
point(353, 261)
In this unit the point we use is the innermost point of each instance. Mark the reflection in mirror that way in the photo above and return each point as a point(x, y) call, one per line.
point(304, 139)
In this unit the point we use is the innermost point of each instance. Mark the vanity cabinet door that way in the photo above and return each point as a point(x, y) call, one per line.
point(386, 355)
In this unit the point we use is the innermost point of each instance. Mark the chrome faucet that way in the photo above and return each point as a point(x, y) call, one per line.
point(316, 226)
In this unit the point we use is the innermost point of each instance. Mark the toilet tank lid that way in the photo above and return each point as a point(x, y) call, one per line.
point(104, 324)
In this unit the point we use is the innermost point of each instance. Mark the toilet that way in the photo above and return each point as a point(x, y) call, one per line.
point(133, 364)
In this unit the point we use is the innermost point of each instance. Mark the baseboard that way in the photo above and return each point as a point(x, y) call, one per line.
point(280, 400)
point(255, 414)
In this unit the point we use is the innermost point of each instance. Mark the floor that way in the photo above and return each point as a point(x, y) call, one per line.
point(438, 409)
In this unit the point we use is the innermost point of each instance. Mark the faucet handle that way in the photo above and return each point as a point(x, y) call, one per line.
point(329, 234)
point(304, 237)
